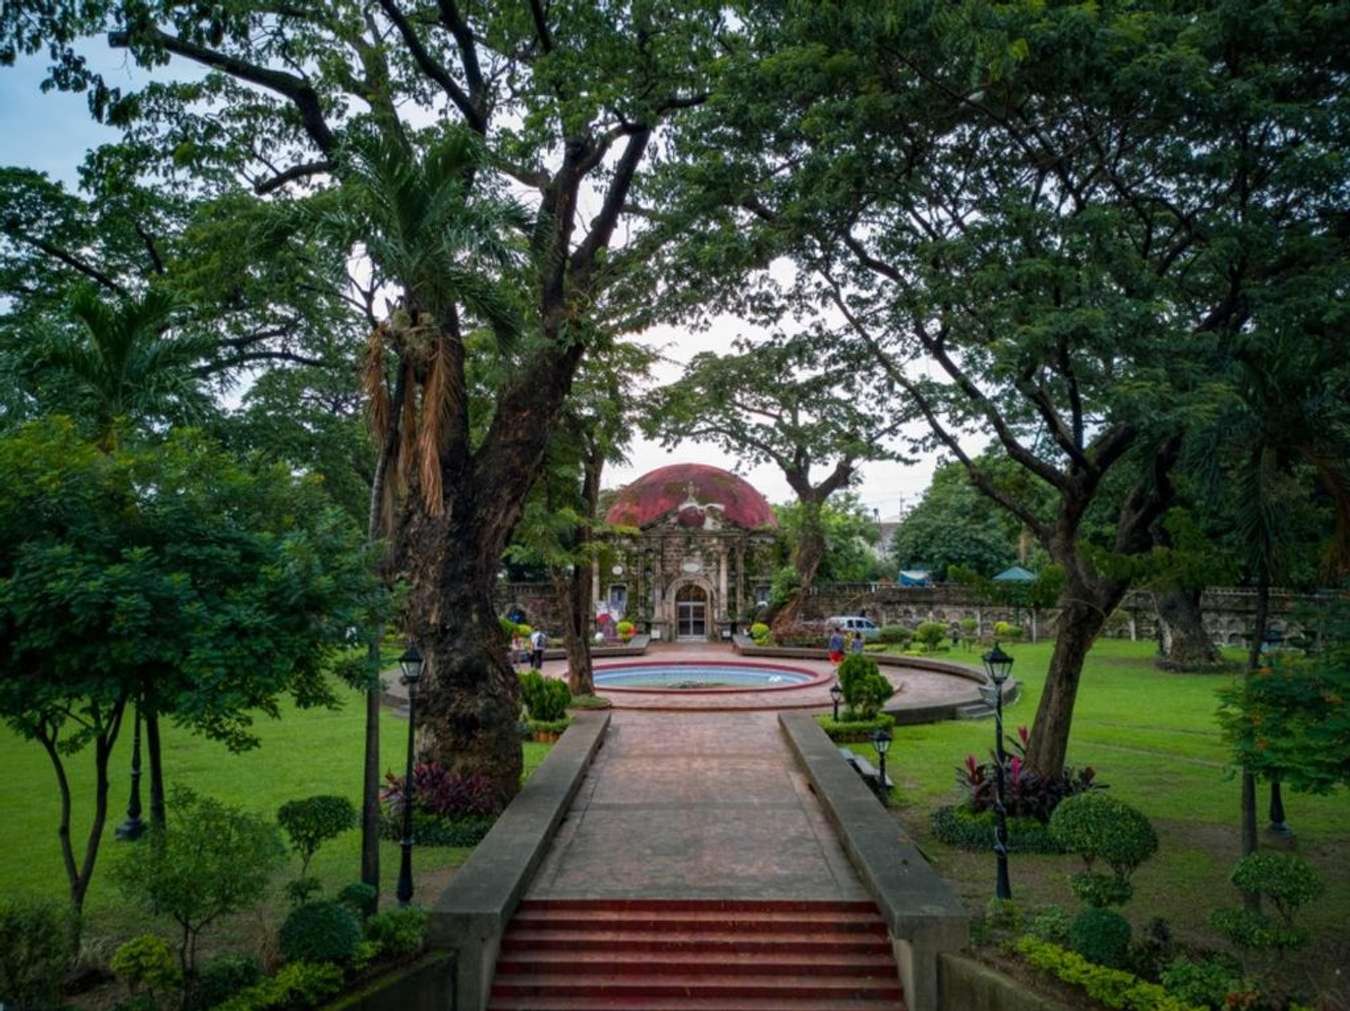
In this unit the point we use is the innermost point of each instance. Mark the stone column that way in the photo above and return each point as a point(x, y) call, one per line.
point(595, 582)
point(722, 581)
point(741, 602)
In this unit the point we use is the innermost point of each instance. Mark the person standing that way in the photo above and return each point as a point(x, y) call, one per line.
point(856, 646)
point(518, 651)
point(538, 640)
point(836, 645)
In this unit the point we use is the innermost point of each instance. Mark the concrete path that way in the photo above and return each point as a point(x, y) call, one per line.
point(695, 805)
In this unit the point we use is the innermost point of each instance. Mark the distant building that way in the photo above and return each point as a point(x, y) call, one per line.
point(699, 557)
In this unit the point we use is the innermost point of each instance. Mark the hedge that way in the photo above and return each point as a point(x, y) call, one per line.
point(854, 731)
point(958, 827)
point(1113, 987)
point(432, 830)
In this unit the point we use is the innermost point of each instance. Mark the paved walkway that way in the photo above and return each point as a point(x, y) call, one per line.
point(695, 805)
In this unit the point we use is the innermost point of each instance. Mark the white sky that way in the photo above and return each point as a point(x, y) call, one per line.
point(51, 133)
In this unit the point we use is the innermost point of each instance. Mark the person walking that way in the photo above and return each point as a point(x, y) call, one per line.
point(836, 645)
point(538, 640)
point(856, 646)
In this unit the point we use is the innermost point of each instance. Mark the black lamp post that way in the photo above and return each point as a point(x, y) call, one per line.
point(836, 693)
point(998, 665)
point(133, 828)
point(411, 662)
point(881, 741)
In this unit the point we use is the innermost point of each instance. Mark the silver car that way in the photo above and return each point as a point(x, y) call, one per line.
point(851, 623)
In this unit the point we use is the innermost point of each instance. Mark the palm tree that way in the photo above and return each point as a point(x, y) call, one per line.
point(120, 367)
point(424, 230)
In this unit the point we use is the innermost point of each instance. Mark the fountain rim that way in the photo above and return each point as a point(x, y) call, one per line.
point(814, 677)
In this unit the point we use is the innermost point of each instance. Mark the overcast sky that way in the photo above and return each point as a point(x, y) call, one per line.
point(51, 132)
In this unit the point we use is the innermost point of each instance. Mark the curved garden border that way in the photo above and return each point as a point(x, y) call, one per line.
point(967, 705)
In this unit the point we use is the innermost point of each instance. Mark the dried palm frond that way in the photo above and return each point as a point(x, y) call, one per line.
point(407, 425)
point(431, 432)
point(373, 383)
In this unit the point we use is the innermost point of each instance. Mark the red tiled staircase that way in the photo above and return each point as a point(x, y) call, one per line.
point(699, 955)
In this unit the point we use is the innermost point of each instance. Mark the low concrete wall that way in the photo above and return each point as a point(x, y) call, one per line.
point(924, 916)
point(471, 915)
point(426, 985)
point(966, 985)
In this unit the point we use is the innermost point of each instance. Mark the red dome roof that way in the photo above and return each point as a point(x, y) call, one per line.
point(657, 492)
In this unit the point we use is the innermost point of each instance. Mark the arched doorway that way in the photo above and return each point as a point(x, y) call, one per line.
point(691, 612)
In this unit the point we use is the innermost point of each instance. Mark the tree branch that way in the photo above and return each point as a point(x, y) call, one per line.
point(300, 171)
point(69, 259)
point(602, 230)
point(473, 116)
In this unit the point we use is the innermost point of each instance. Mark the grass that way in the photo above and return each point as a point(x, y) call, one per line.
point(302, 753)
point(1152, 736)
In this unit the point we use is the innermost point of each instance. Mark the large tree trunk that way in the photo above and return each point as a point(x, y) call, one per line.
point(1184, 641)
point(1079, 623)
point(154, 752)
point(470, 695)
point(574, 596)
point(806, 560)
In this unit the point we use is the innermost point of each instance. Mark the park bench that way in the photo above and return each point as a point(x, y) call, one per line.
point(864, 768)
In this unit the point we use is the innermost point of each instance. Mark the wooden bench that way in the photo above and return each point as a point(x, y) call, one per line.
point(864, 768)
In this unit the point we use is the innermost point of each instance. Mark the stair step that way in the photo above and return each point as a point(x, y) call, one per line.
point(612, 1003)
point(710, 921)
point(697, 964)
point(519, 939)
point(706, 905)
point(782, 987)
point(609, 1003)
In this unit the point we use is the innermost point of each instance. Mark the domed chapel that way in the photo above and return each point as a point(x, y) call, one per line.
point(690, 552)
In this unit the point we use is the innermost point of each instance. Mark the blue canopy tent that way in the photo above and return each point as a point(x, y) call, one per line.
point(915, 577)
point(1015, 574)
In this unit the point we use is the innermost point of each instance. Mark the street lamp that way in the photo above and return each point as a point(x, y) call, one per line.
point(133, 828)
point(411, 663)
point(998, 665)
point(881, 741)
point(836, 693)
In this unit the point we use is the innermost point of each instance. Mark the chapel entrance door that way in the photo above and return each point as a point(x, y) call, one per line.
point(691, 612)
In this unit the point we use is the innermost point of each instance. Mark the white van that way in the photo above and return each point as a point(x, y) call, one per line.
point(850, 623)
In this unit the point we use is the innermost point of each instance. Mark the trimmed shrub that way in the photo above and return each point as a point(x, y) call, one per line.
point(968, 830)
point(1099, 827)
point(508, 628)
point(969, 626)
point(1101, 890)
point(36, 947)
point(435, 830)
point(1286, 880)
point(312, 821)
point(298, 985)
point(359, 897)
point(546, 699)
point(1101, 936)
point(1051, 924)
point(1111, 987)
point(1007, 630)
point(854, 731)
point(320, 932)
point(895, 635)
point(930, 634)
point(865, 687)
point(759, 632)
point(1206, 982)
point(146, 963)
point(398, 932)
point(224, 976)
point(625, 629)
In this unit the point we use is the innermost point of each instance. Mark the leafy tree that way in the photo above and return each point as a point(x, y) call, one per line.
point(955, 525)
point(850, 532)
point(172, 574)
point(312, 821)
point(770, 404)
point(1039, 221)
point(208, 861)
point(563, 100)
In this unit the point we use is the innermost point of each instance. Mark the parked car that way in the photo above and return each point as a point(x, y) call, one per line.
point(850, 623)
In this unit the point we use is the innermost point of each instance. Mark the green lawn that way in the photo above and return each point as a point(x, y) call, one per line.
point(303, 753)
point(1153, 738)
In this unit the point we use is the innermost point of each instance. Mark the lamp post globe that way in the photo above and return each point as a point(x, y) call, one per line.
point(998, 665)
point(411, 665)
point(881, 742)
point(836, 693)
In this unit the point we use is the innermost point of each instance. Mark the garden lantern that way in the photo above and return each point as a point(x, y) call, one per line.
point(133, 828)
point(881, 741)
point(836, 693)
point(411, 664)
point(998, 665)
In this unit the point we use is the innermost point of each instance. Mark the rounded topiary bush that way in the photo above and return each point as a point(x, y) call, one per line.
point(759, 631)
point(1101, 936)
point(320, 932)
point(865, 687)
point(895, 634)
point(1099, 827)
point(1288, 881)
point(929, 634)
